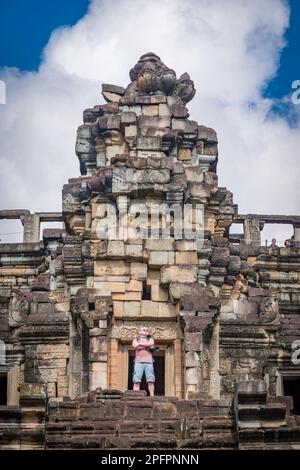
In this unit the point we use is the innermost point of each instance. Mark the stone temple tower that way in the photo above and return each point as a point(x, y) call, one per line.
point(140, 149)
point(147, 240)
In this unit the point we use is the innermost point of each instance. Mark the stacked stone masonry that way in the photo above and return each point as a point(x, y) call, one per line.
point(223, 309)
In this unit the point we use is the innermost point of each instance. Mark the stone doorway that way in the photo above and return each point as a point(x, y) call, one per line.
point(167, 335)
point(159, 371)
point(291, 387)
point(3, 389)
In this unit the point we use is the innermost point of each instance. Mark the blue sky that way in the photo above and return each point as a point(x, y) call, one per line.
point(55, 54)
point(26, 26)
point(289, 63)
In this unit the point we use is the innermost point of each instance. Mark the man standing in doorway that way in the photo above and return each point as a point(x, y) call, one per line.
point(143, 345)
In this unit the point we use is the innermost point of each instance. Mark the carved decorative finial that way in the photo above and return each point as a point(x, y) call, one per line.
point(151, 76)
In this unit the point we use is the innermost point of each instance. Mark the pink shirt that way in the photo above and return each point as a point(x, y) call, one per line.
point(142, 355)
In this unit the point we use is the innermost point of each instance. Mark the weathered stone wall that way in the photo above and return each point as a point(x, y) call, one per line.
point(223, 309)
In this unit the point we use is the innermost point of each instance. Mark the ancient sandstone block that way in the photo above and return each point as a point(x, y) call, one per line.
point(134, 252)
point(192, 359)
point(116, 248)
point(190, 127)
point(113, 88)
point(154, 121)
point(158, 99)
point(113, 150)
point(149, 309)
point(130, 131)
point(127, 296)
point(97, 379)
point(186, 257)
point(108, 267)
point(150, 110)
point(220, 257)
point(159, 258)
point(98, 344)
point(199, 190)
point(193, 376)
point(134, 286)
point(118, 309)
point(153, 277)
point(128, 119)
point(193, 341)
point(207, 134)
point(194, 174)
point(98, 367)
point(110, 286)
point(185, 245)
point(184, 154)
point(110, 121)
point(160, 245)
point(164, 110)
point(138, 271)
point(167, 310)
point(111, 97)
point(179, 111)
point(132, 309)
point(149, 143)
point(159, 294)
point(178, 273)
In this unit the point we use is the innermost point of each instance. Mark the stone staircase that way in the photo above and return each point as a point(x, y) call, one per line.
point(264, 422)
point(110, 419)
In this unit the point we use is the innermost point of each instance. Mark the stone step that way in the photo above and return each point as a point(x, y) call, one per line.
point(252, 399)
point(280, 438)
point(135, 394)
point(252, 392)
point(268, 412)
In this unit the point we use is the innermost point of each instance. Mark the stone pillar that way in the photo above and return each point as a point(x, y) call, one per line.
point(98, 345)
point(178, 368)
point(297, 233)
point(116, 363)
point(75, 379)
point(31, 224)
point(193, 351)
point(97, 359)
point(92, 312)
point(2, 352)
point(13, 384)
point(252, 229)
point(214, 363)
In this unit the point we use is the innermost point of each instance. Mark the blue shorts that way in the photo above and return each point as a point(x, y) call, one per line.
point(140, 368)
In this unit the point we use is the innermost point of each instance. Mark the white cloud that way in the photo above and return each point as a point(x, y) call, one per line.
point(231, 50)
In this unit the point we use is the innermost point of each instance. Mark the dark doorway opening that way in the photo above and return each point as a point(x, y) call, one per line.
point(3, 389)
point(291, 387)
point(159, 372)
point(146, 294)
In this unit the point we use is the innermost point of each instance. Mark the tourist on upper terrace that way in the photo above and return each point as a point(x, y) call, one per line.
point(290, 243)
point(273, 248)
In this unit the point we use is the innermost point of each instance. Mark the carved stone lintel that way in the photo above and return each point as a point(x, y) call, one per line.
point(127, 331)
